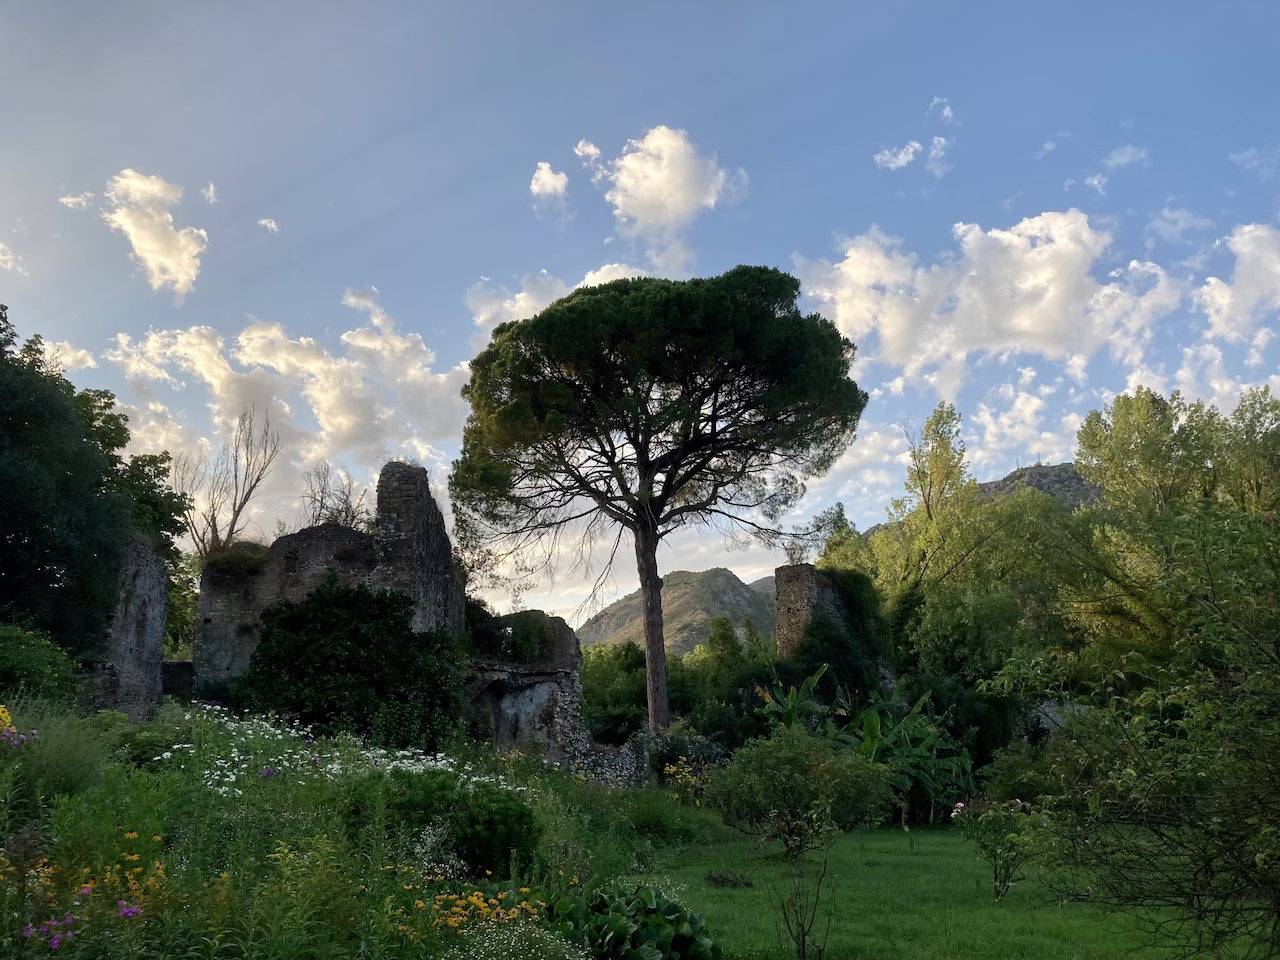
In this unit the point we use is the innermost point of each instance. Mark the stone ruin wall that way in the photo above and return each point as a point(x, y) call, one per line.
point(530, 705)
point(408, 551)
point(803, 592)
point(535, 705)
point(128, 678)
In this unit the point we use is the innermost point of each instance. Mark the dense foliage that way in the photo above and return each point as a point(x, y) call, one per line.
point(346, 659)
point(69, 501)
point(32, 665)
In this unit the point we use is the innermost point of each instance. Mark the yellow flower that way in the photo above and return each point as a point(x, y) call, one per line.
point(131, 835)
point(6, 721)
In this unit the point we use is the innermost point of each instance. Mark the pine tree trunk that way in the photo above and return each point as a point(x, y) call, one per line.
point(655, 651)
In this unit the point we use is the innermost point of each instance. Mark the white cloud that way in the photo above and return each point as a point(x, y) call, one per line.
point(377, 396)
point(11, 261)
point(1172, 224)
point(658, 186)
point(943, 107)
point(1234, 308)
point(77, 201)
point(65, 357)
point(1077, 366)
point(1260, 160)
point(1017, 427)
point(547, 183)
point(891, 159)
point(1098, 181)
point(140, 210)
point(269, 225)
point(1025, 290)
point(1124, 156)
point(1258, 346)
point(492, 305)
point(1046, 148)
point(937, 150)
point(611, 271)
point(1203, 376)
point(210, 194)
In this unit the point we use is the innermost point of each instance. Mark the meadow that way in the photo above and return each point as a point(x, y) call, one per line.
point(205, 835)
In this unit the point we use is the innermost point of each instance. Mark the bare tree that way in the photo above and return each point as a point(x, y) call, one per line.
point(329, 496)
point(219, 492)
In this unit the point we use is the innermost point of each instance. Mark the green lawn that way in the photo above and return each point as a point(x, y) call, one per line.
point(922, 895)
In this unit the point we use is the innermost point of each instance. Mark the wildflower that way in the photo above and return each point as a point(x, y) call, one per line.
point(269, 771)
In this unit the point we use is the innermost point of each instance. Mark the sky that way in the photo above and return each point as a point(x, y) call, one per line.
point(322, 210)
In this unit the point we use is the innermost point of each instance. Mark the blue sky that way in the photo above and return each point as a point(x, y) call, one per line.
point(323, 208)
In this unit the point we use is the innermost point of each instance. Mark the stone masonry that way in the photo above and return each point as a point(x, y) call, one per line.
point(803, 592)
point(409, 551)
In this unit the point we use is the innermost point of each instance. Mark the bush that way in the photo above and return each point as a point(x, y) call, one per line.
point(32, 663)
point(799, 788)
point(485, 826)
point(632, 925)
point(1004, 833)
point(346, 660)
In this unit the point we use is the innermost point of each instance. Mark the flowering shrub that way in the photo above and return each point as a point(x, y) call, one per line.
point(1004, 833)
point(10, 733)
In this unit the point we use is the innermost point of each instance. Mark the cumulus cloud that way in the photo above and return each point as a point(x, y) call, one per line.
point(77, 201)
point(269, 225)
point(1260, 160)
point(1258, 346)
point(1124, 156)
point(378, 394)
point(1029, 289)
point(11, 261)
point(140, 208)
point(547, 183)
point(937, 150)
point(658, 186)
point(942, 107)
point(896, 159)
point(1172, 224)
point(1235, 308)
point(1203, 375)
point(491, 304)
point(210, 194)
point(65, 357)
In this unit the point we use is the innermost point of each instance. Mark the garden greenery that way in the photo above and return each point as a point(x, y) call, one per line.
point(345, 659)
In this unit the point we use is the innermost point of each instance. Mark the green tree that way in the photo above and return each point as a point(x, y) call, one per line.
point(649, 405)
point(1162, 784)
point(69, 500)
point(1148, 453)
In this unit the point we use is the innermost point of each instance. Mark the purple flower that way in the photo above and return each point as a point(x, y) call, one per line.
point(127, 909)
point(56, 942)
point(269, 771)
point(28, 930)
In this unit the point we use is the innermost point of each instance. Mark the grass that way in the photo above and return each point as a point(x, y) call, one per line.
point(922, 895)
point(204, 835)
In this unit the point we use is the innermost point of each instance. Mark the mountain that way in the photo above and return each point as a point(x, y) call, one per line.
point(689, 602)
point(1061, 481)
